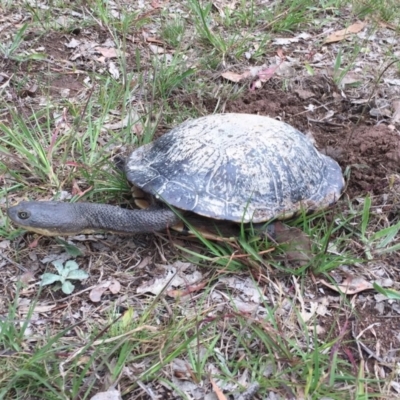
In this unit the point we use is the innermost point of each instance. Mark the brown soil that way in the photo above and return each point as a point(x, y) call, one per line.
point(345, 132)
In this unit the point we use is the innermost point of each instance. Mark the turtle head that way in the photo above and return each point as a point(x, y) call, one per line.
point(50, 218)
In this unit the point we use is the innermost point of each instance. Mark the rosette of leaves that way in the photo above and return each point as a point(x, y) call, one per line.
point(66, 273)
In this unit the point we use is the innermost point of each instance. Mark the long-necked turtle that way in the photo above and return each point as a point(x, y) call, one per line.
point(236, 167)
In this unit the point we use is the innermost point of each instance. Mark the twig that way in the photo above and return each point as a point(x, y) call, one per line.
point(14, 263)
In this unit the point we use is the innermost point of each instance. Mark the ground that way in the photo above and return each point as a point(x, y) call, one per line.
point(164, 315)
point(372, 150)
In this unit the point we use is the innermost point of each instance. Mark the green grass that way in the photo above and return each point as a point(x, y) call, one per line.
point(34, 364)
point(49, 143)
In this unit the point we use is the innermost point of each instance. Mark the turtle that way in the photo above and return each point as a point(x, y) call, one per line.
point(235, 167)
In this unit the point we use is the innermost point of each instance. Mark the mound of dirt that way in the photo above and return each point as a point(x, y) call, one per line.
point(371, 150)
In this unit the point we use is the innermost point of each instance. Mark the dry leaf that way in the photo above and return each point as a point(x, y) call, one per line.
point(115, 287)
point(40, 309)
point(217, 390)
point(27, 277)
point(96, 293)
point(234, 76)
point(351, 285)
point(284, 41)
point(304, 94)
point(281, 54)
point(156, 4)
point(111, 394)
point(154, 40)
point(108, 52)
point(344, 33)
point(113, 70)
point(267, 73)
point(224, 7)
point(76, 190)
point(187, 290)
point(170, 276)
point(396, 113)
point(73, 44)
point(156, 49)
point(306, 315)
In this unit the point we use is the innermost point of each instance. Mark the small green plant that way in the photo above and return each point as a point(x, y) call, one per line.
point(173, 31)
point(66, 273)
point(389, 293)
point(170, 75)
point(8, 50)
point(381, 241)
point(202, 17)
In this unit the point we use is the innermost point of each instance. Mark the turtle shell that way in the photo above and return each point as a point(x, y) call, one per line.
point(236, 167)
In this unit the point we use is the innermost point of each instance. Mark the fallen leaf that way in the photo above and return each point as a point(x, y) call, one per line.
point(156, 49)
point(307, 314)
point(268, 73)
point(234, 76)
point(73, 44)
point(344, 33)
point(108, 52)
point(304, 94)
point(76, 190)
point(217, 390)
point(171, 276)
point(113, 70)
point(40, 309)
point(111, 394)
point(27, 277)
point(248, 289)
point(154, 40)
point(4, 79)
point(156, 4)
point(115, 287)
point(98, 291)
point(281, 54)
point(4, 244)
point(284, 41)
point(30, 91)
point(224, 7)
point(34, 244)
point(351, 285)
point(187, 290)
point(396, 113)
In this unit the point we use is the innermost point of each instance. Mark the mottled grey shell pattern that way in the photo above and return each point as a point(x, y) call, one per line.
point(236, 167)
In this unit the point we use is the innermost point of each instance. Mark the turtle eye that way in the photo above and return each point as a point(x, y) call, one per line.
point(23, 215)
